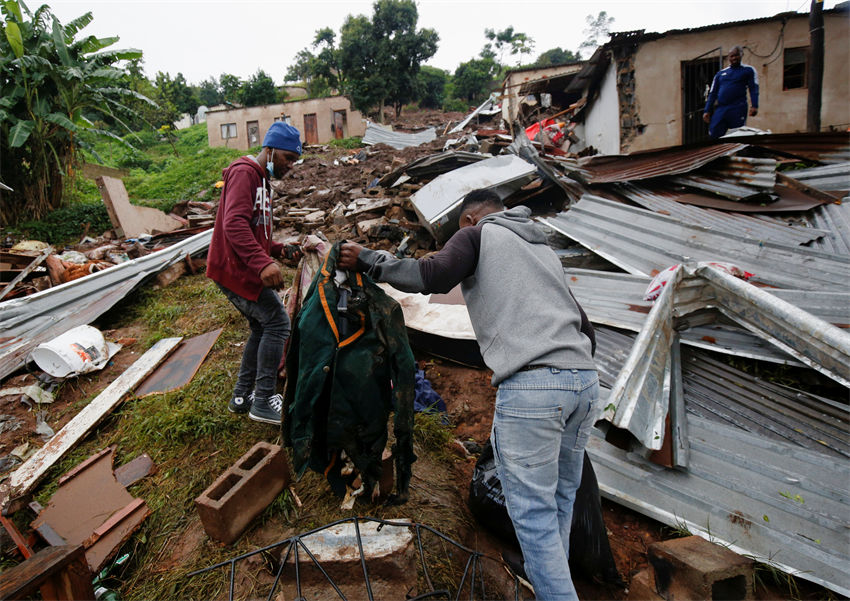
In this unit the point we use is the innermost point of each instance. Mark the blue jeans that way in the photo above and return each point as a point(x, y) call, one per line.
point(541, 426)
point(269, 325)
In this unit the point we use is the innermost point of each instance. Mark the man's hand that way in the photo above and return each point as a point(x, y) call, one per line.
point(706, 117)
point(272, 276)
point(348, 254)
point(753, 111)
point(291, 254)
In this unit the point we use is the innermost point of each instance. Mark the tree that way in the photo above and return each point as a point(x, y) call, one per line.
point(322, 72)
point(598, 30)
point(556, 56)
point(258, 90)
point(381, 57)
point(209, 94)
point(152, 112)
point(229, 86)
point(52, 89)
point(431, 87)
point(519, 43)
point(472, 80)
point(178, 92)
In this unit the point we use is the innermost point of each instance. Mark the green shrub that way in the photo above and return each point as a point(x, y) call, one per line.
point(68, 224)
point(455, 105)
point(353, 142)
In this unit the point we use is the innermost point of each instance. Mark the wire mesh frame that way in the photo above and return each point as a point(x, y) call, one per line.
point(472, 568)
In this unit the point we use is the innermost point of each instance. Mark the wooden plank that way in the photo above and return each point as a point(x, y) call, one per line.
point(64, 569)
point(93, 171)
point(23, 480)
point(27, 270)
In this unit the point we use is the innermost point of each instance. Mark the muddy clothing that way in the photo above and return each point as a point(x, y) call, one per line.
point(727, 98)
point(345, 379)
point(520, 305)
point(242, 245)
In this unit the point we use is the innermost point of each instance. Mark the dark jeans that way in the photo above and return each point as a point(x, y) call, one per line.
point(269, 325)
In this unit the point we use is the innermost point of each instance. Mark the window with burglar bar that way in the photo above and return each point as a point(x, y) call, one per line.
point(795, 67)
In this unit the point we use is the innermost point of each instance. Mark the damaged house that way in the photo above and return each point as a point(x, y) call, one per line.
point(319, 120)
point(646, 90)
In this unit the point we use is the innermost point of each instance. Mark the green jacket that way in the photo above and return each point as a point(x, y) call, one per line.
point(339, 392)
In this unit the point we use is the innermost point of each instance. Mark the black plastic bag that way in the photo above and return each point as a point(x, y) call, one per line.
point(590, 551)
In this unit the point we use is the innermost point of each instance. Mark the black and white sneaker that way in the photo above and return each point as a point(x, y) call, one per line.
point(241, 404)
point(267, 410)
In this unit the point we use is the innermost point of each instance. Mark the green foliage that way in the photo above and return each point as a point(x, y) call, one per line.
point(598, 30)
point(349, 143)
point(258, 90)
point(431, 87)
point(556, 56)
point(67, 224)
point(507, 39)
point(178, 92)
point(473, 79)
point(455, 105)
point(53, 88)
point(209, 93)
point(229, 86)
point(381, 57)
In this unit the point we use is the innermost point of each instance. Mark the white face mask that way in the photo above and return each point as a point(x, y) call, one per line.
point(270, 164)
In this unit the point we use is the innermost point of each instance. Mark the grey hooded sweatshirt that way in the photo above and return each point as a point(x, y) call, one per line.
point(515, 289)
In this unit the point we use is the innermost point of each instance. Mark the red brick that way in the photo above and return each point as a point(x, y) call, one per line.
point(243, 491)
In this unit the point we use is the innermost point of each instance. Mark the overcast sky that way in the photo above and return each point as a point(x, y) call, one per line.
point(206, 38)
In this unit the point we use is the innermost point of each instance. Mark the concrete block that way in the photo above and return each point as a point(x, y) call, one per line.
point(642, 587)
point(243, 491)
point(693, 568)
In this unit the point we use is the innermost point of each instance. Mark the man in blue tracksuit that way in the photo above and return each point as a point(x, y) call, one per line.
point(726, 107)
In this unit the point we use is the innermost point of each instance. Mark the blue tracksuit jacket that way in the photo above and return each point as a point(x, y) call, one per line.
point(727, 99)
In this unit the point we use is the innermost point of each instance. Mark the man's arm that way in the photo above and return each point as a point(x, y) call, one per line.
point(440, 272)
point(712, 98)
point(753, 84)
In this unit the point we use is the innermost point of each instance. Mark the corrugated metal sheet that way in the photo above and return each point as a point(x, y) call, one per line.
point(28, 321)
point(777, 502)
point(827, 177)
point(726, 395)
point(644, 165)
point(643, 242)
point(744, 225)
point(378, 134)
point(835, 219)
point(438, 203)
point(826, 147)
point(755, 173)
point(730, 190)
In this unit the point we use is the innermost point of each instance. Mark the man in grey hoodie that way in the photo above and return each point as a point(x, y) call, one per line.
point(537, 340)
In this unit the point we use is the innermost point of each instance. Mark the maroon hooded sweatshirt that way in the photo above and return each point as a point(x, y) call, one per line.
point(242, 244)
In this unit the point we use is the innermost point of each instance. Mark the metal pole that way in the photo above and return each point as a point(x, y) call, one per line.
point(815, 70)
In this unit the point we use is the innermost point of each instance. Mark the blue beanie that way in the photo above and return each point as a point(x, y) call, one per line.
point(283, 136)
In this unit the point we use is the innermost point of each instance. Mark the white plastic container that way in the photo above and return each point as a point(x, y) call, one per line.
point(77, 351)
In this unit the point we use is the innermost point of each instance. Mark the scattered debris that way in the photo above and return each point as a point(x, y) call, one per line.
point(78, 351)
point(24, 479)
point(99, 522)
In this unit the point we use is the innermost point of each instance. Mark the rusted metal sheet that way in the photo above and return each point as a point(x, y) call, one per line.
point(788, 200)
point(755, 173)
point(826, 147)
point(834, 218)
point(827, 177)
point(180, 366)
point(654, 163)
point(727, 189)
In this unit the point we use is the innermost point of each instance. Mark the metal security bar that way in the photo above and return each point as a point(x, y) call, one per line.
point(473, 574)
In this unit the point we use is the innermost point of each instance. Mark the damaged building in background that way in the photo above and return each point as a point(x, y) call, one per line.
point(646, 90)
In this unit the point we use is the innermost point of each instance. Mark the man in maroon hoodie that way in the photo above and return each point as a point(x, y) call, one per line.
point(241, 261)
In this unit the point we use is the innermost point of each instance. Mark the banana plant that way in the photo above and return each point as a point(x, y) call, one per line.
point(54, 85)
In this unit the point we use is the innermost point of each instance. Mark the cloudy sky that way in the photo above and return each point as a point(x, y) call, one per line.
point(210, 37)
